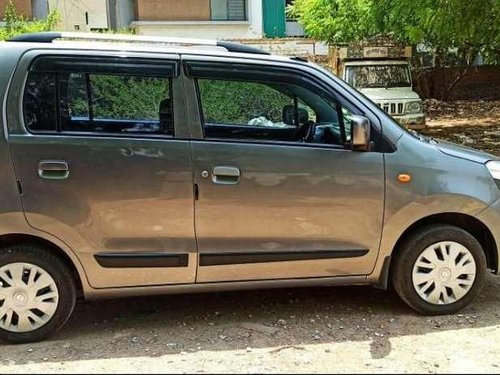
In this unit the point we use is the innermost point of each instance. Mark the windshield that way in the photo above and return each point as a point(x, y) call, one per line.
point(365, 76)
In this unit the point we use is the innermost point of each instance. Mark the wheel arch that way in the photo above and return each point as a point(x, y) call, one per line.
point(17, 238)
point(381, 275)
point(466, 222)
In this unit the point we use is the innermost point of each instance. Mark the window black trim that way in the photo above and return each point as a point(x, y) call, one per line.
point(57, 65)
point(245, 76)
point(149, 67)
point(74, 134)
point(263, 142)
point(243, 72)
point(209, 69)
point(340, 114)
point(57, 94)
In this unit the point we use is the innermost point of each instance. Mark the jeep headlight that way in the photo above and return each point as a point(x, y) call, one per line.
point(414, 107)
point(494, 168)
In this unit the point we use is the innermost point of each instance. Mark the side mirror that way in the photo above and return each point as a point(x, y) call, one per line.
point(360, 133)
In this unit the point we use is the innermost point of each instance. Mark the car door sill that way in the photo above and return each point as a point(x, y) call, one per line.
point(225, 286)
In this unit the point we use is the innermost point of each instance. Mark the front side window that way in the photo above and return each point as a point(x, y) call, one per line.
point(268, 111)
point(253, 104)
point(378, 76)
point(98, 103)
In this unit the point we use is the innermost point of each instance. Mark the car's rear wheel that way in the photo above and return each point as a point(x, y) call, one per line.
point(439, 269)
point(37, 293)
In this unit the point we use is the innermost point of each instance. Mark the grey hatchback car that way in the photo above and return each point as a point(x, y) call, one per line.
point(142, 165)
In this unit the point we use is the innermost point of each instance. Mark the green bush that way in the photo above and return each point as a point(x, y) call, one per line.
point(130, 97)
point(118, 97)
point(16, 24)
point(234, 102)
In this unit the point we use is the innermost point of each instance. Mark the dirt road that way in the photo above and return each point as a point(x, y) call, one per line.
point(473, 124)
point(342, 329)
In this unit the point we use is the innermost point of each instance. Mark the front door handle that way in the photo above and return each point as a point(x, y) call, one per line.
point(226, 175)
point(53, 169)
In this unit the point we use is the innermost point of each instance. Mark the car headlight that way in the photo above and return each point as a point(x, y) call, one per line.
point(414, 107)
point(494, 168)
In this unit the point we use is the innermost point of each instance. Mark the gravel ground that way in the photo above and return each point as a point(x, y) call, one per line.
point(342, 329)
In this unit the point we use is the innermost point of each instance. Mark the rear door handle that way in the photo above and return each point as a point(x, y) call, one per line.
point(53, 169)
point(226, 175)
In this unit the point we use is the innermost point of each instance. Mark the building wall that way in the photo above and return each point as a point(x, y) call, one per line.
point(205, 30)
point(294, 29)
point(172, 10)
point(202, 27)
point(23, 7)
point(124, 10)
point(40, 9)
point(82, 15)
point(304, 47)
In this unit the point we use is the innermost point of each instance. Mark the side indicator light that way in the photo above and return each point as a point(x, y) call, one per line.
point(404, 178)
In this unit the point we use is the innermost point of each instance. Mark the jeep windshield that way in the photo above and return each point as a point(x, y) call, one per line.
point(378, 76)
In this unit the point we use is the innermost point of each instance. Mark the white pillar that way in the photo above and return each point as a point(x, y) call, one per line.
point(255, 17)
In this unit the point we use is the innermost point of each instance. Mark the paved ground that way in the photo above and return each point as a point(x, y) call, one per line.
point(341, 329)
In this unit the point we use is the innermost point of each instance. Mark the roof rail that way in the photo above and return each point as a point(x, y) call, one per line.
point(49, 37)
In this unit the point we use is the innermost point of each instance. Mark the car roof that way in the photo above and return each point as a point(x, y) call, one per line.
point(144, 48)
point(143, 44)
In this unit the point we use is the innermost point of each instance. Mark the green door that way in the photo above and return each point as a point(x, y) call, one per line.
point(274, 18)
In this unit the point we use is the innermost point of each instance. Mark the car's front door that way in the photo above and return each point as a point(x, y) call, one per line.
point(101, 167)
point(280, 193)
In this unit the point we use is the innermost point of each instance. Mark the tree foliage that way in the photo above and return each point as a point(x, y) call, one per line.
point(334, 21)
point(462, 28)
point(16, 23)
point(468, 26)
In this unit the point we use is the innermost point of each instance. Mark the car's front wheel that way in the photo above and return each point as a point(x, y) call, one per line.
point(37, 293)
point(439, 269)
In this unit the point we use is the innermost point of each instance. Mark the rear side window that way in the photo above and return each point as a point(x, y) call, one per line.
point(98, 101)
point(40, 102)
point(116, 104)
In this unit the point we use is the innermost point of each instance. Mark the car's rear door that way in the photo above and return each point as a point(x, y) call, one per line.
point(103, 162)
point(269, 206)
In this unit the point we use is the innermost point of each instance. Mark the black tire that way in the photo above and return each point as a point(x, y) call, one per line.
point(410, 250)
point(63, 278)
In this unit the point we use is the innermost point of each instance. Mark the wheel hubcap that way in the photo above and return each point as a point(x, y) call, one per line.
point(28, 297)
point(444, 273)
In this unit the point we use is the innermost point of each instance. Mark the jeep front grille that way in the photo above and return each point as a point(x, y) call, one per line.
point(392, 108)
